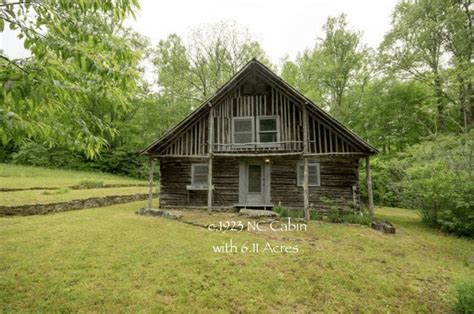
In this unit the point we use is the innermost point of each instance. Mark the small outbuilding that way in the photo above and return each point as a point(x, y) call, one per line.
point(258, 142)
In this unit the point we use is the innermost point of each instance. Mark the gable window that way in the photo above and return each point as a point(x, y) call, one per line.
point(199, 175)
point(313, 174)
point(268, 129)
point(243, 130)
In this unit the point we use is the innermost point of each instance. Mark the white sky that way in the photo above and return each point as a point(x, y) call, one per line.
point(282, 27)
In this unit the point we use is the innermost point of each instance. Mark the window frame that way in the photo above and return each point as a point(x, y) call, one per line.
point(193, 173)
point(277, 130)
point(252, 123)
point(300, 176)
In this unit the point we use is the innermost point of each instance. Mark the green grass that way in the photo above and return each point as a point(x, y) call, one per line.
point(16, 176)
point(110, 259)
point(61, 195)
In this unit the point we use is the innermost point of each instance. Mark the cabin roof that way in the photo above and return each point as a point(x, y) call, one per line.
point(256, 65)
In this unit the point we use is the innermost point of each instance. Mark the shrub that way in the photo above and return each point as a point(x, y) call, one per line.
point(440, 185)
point(334, 215)
point(341, 216)
point(464, 298)
point(285, 212)
point(89, 184)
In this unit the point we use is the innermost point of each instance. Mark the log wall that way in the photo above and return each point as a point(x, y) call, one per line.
point(176, 175)
point(338, 176)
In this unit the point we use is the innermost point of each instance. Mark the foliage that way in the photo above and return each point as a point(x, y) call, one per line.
point(392, 114)
point(82, 70)
point(443, 32)
point(113, 160)
point(342, 216)
point(332, 215)
point(89, 184)
point(464, 297)
point(436, 178)
point(285, 212)
point(188, 73)
point(336, 66)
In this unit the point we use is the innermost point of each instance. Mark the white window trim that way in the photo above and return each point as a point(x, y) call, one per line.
point(299, 176)
point(233, 129)
point(277, 119)
point(193, 166)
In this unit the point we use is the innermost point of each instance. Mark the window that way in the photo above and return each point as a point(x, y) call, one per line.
point(313, 174)
point(243, 130)
point(199, 175)
point(268, 129)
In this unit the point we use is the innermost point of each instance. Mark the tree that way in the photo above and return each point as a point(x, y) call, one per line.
point(336, 67)
point(415, 45)
point(83, 67)
point(195, 70)
point(459, 42)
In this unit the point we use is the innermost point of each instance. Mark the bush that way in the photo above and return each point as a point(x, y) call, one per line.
point(434, 177)
point(439, 183)
point(285, 212)
point(464, 298)
point(333, 215)
point(89, 184)
point(112, 160)
point(340, 216)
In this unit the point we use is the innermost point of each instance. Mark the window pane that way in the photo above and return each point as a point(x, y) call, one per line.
point(268, 137)
point(200, 174)
point(200, 180)
point(200, 169)
point(268, 124)
point(255, 178)
point(300, 174)
point(312, 170)
point(243, 125)
point(243, 138)
point(313, 180)
point(313, 174)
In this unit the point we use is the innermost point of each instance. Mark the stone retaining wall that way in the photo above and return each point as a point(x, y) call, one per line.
point(74, 187)
point(41, 209)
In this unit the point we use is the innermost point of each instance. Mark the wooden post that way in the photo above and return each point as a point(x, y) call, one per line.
point(150, 175)
point(210, 149)
point(306, 170)
point(369, 185)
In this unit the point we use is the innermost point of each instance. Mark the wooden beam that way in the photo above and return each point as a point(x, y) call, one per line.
point(369, 185)
point(210, 149)
point(305, 190)
point(150, 177)
point(306, 170)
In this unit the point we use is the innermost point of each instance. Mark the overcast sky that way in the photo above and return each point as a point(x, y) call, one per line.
point(282, 27)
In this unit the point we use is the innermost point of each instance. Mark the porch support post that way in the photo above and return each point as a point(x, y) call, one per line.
point(210, 149)
point(150, 178)
point(369, 185)
point(305, 171)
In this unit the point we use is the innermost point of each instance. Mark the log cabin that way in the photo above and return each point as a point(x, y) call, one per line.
point(256, 143)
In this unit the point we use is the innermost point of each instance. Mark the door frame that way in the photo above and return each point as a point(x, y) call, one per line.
point(243, 181)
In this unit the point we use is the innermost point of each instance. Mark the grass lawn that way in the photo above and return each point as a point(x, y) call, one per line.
point(110, 259)
point(16, 176)
point(61, 195)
